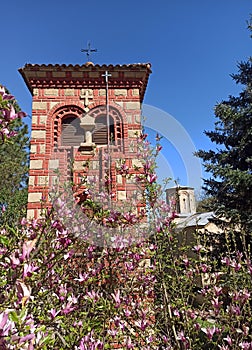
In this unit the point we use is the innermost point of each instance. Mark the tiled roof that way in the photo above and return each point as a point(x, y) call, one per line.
point(89, 64)
point(197, 219)
point(59, 75)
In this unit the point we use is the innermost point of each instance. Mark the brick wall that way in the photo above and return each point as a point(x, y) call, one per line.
point(59, 91)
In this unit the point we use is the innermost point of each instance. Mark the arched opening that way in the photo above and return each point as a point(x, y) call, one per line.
point(71, 132)
point(100, 133)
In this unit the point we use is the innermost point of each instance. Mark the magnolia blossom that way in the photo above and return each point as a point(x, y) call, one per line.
point(29, 269)
point(28, 246)
point(228, 340)
point(116, 297)
point(209, 331)
point(245, 345)
point(5, 324)
point(7, 114)
point(53, 313)
point(23, 291)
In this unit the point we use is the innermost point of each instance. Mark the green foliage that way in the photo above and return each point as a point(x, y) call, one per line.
point(202, 301)
point(204, 204)
point(14, 172)
point(230, 165)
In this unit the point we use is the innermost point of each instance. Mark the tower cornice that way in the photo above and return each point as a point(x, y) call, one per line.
point(86, 76)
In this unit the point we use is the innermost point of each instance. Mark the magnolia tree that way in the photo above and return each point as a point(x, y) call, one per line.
point(93, 275)
point(7, 115)
point(14, 145)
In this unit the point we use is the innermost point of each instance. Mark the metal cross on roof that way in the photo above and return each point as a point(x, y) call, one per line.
point(88, 50)
point(106, 75)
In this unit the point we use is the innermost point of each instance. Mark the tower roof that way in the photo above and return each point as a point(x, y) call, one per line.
point(88, 75)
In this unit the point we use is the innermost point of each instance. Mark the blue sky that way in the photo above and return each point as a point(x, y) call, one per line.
point(193, 46)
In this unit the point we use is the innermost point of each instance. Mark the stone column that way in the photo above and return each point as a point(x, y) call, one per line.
point(88, 124)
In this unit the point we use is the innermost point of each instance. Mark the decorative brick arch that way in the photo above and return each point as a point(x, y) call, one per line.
point(63, 104)
point(113, 105)
point(58, 113)
point(117, 124)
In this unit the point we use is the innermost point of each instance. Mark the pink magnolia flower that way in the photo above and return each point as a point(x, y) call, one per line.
point(198, 248)
point(26, 338)
point(245, 330)
point(28, 246)
point(204, 268)
point(186, 262)
point(130, 218)
point(5, 324)
point(82, 277)
point(236, 265)
point(21, 114)
point(62, 292)
point(11, 134)
point(216, 303)
point(165, 339)
point(11, 114)
point(191, 314)
point(112, 332)
point(217, 290)
point(228, 340)
point(29, 269)
point(72, 299)
point(117, 299)
point(69, 254)
point(127, 312)
point(5, 131)
point(182, 337)
point(129, 344)
point(244, 295)
point(23, 221)
point(210, 331)
point(151, 178)
point(142, 324)
point(93, 295)
point(246, 345)
point(89, 343)
point(67, 308)
point(129, 266)
point(14, 260)
point(23, 291)
point(226, 261)
point(176, 313)
point(118, 322)
point(53, 313)
point(234, 310)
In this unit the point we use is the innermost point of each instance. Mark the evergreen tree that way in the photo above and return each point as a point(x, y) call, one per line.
point(14, 171)
point(230, 165)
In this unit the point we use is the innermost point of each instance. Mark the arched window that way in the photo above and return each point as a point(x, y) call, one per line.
point(66, 128)
point(100, 133)
point(71, 132)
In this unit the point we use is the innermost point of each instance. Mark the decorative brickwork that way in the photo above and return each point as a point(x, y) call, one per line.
point(62, 97)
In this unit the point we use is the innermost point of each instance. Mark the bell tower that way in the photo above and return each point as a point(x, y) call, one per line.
point(83, 113)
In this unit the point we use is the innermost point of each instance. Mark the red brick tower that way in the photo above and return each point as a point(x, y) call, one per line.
point(70, 117)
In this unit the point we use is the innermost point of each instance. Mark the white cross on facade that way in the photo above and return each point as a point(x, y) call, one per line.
point(85, 96)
